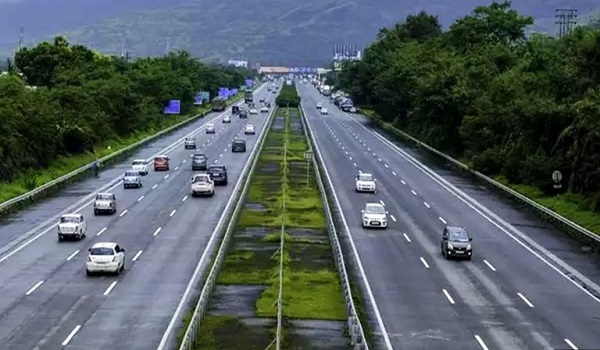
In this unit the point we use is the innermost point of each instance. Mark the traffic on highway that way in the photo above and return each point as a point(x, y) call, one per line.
point(108, 261)
point(443, 270)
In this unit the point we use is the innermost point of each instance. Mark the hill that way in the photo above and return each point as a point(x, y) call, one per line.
point(271, 32)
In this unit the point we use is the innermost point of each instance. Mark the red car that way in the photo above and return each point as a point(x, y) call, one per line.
point(161, 163)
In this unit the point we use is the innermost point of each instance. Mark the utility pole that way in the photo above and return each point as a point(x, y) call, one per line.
point(21, 36)
point(167, 46)
point(566, 19)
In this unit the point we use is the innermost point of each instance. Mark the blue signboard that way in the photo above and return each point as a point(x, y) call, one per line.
point(249, 82)
point(223, 92)
point(234, 92)
point(202, 97)
point(174, 107)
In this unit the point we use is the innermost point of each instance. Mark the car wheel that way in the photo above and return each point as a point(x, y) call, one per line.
point(88, 272)
point(470, 257)
point(95, 211)
point(60, 239)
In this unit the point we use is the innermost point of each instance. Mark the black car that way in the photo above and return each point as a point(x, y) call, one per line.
point(243, 114)
point(235, 110)
point(238, 146)
point(456, 242)
point(199, 161)
point(218, 173)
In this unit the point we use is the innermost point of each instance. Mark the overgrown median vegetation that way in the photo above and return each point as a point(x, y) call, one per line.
point(512, 106)
point(63, 106)
point(243, 309)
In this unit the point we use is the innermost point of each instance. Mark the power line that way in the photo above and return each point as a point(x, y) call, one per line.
point(566, 19)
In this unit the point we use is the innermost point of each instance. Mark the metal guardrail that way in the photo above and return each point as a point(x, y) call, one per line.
point(7, 205)
point(233, 212)
point(356, 331)
point(582, 231)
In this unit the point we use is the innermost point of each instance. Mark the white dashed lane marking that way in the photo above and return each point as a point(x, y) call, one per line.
point(406, 237)
point(72, 255)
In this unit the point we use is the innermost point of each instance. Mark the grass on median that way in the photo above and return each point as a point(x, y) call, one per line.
point(311, 290)
point(568, 205)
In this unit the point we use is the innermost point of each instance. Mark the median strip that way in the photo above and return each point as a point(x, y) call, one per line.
point(244, 303)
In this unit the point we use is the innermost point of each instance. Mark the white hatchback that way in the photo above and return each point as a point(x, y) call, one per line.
point(141, 166)
point(374, 215)
point(105, 257)
point(202, 184)
point(365, 183)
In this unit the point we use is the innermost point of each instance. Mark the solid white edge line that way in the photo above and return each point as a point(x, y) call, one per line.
point(424, 262)
point(123, 213)
point(71, 335)
point(525, 300)
point(157, 231)
point(175, 319)
point(406, 237)
point(73, 255)
point(173, 213)
point(570, 343)
point(448, 296)
point(359, 264)
point(110, 288)
point(489, 265)
point(480, 342)
point(497, 221)
point(137, 255)
point(101, 231)
point(36, 286)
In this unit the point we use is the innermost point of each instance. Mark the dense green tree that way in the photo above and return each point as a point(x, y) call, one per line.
point(513, 105)
point(67, 99)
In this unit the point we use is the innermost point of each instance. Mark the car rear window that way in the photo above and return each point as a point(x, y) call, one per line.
point(102, 251)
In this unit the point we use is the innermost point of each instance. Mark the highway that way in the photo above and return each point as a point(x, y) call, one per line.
point(47, 300)
point(508, 297)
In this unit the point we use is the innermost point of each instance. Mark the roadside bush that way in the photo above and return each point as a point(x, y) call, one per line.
point(288, 96)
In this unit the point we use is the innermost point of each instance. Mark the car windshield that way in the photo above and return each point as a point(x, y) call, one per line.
point(201, 178)
point(375, 209)
point(131, 173)
point(199, 157)
point(189, 139)
point(160, 159)
point(104, 196)
point(458, 235)
point(365, 177)
point(210, 126)
point(102, 251)
point(249, 127)
point(138, 162)
point(217, 169)
point(69, 219)
point(238, 142)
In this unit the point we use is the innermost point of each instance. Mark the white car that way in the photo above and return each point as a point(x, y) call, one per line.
point(324, 111)
point(105, 257)
point(202, 184)
point(374, 215)
point(105, 203)
point(72, 226)
point(253, 111)
point(132, 178)
point(210, 128)
point(319, 105)
point(353, 110)
point(365, 183)
point(226, 119)
point(249, 129)
point(141, 166)
point(264, 109)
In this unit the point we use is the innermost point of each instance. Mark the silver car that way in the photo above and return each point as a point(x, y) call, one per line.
point(190, 143)
point(105, 203)
point(132, 178)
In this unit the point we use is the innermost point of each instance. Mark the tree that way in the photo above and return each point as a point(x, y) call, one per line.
point(514, 106)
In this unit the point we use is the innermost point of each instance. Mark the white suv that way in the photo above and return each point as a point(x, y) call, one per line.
point(202, 184)
point(141, 166)
point(72, 226)
point(365, 183)
point(105, 257)
point(374, 215)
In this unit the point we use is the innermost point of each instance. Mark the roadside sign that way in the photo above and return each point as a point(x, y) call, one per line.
point(557, 176)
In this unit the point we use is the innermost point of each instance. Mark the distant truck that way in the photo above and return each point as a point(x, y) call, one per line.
point(248, 96)
point(219, 104)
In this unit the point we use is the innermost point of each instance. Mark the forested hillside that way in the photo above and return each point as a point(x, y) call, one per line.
point(512, 106)
point(83, 99)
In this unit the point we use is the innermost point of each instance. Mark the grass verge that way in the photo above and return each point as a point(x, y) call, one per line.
point(568, 205)
point(29, 180)
point(311, 286)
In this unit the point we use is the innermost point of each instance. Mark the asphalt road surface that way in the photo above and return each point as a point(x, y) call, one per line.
point(508, 297)
point(47, 301)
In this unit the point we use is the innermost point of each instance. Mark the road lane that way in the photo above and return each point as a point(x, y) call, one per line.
point(517, 271)
point(71, 293)
point(44, 214)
